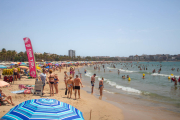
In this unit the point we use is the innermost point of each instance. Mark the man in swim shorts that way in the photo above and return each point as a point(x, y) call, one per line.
point(92, 82)
point(77, 82)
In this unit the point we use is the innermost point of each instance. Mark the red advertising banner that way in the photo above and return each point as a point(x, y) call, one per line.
point(31, 59)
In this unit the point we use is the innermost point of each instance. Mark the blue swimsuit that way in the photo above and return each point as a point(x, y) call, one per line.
point(55, 81)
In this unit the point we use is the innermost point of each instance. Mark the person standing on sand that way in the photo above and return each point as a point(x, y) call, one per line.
point(118, 72)
point(70, 85)
point(92, 82)
point(51, 82)
point(101, 86)
point(56, 79)
point(43, 78)
point(77, 82)
point(15, 74)
point(65, 78)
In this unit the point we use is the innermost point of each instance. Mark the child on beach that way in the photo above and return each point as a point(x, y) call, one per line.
point(101, 86)
point(70, 86)
point(56, 79)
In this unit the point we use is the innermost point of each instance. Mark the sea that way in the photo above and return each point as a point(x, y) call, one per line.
point(156, 89)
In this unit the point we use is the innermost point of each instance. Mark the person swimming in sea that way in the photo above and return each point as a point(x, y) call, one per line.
point(123, 77)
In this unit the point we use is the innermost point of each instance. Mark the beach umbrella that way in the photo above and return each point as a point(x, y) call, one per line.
point(2, 66)
point(38, 68)
point(56, 64)
point(23, 64)
point(23, 67)
point(2, 84)
point(43, 109)
point(12, 64)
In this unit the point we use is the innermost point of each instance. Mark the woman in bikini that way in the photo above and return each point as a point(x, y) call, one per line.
point(56, 79)
point(101, 86)
point(51, 82)
point(70, 86)
point(65, 78)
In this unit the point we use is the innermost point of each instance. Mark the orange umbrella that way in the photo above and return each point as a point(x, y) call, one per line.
point(23, 67)
point(2, 84)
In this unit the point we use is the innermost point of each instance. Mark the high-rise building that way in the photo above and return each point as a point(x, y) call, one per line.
point(71, 53)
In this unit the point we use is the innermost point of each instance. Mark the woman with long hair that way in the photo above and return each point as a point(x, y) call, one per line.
point(70, 86)
point(65, 78)
point(101, 86)
point(56, 79)
point(51, 82)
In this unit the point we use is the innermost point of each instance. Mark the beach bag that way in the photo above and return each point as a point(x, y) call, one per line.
point(66, 91)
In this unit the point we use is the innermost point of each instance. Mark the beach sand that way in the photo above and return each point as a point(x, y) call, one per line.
point(101, 110)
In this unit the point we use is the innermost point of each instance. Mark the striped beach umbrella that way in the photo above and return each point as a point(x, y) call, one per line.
point(44, 109)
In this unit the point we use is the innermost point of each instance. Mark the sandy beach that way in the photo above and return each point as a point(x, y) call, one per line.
point(101, 110)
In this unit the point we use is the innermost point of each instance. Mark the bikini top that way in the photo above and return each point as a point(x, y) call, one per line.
point(55, 79)
point(50, 76)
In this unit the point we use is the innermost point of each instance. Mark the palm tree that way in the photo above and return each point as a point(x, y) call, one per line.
point(4, 54)
point(9, 53)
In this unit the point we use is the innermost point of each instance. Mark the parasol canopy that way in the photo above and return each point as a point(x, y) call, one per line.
point(43, 109)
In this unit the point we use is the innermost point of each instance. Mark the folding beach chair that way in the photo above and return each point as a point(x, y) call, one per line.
point(38, 88)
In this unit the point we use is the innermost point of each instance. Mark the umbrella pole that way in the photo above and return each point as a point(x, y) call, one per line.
point(90, 114)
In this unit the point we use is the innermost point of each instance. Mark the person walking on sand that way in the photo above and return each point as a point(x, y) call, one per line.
point(70, 85)
point(77, 82)
point(3, 98)
point(56, 79)
point(51, 82)
point(101, 86)
point(92, 82)
point(43, 78)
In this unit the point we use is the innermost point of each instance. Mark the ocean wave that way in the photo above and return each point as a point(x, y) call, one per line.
point(111, 68)
point(109, 91)
point(128, 71)
point(165, 75)
point(127, 89)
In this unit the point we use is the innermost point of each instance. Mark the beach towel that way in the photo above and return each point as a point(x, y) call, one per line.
point(17, 92)
point(27, 91)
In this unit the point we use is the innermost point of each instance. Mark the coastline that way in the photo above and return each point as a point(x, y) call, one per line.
point(100, 109)
point(135, 108)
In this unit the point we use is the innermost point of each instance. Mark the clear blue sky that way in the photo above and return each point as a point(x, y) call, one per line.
point(92, 27)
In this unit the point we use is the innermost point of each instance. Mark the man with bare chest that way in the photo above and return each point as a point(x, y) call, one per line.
point(92, 82)
point(77, 82)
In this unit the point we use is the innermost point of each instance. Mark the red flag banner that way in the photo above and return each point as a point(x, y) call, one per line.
point(31, 59)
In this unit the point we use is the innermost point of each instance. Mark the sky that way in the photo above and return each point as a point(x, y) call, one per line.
point(92, 27)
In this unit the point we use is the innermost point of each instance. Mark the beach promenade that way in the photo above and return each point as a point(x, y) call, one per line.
point(101, 110)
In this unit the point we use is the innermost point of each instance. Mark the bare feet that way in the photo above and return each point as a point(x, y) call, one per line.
point(13, 104)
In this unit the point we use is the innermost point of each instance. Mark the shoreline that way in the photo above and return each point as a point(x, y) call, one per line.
point(100, 109)
point(134, 108)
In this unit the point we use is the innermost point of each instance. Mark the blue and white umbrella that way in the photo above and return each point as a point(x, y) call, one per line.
point(44, 109)
point(2, 66)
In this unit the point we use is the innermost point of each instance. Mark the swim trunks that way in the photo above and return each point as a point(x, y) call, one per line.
point(15, 73)
point(92, 83)
point(52, 82)
point(77, 87)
